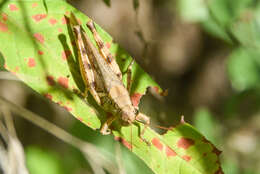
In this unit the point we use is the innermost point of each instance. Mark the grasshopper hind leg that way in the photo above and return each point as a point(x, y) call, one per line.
point(104, 50)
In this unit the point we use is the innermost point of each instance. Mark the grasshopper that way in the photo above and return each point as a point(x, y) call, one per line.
point(103, 79)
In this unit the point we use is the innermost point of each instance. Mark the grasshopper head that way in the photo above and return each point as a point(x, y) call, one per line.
point(128, 115)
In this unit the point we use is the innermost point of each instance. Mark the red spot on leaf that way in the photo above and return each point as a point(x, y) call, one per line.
point(80, 119)
point(63, 81)
point(16, 68)
point(63, 20)
point(185, 143)
point(157, 143)
point(186, 158)
point(13, 7)
point(170, 152)
point(39, 17)
point(50, 80)
point(124, 142)
point(48, 96)
point(136, 98)
point(60, 30)
point(68, 108)
point(40, 52)
point(156, 89)
point(108, 45)
point(3, 27)
point(216, 151)
point(65, 54)
point(207, 141)
point(52, 21)
point(34, 5)
point(4, 16)
point(31, 62)
point(67, 13)
point(160, 92)
point(89, 124)
point(39, 37)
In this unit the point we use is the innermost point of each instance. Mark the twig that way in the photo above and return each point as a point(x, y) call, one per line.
point(90, 151)
point(119, 159)
point(12, 156)
point(8, 76)
point(9, 121)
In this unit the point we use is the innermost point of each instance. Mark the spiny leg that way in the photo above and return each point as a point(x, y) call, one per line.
point(105, 127)
point(146, 121)
point(86, 69)
point(104, 50)
point(139, 117)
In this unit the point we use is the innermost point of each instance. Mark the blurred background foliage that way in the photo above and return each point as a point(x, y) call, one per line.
point(205, 52)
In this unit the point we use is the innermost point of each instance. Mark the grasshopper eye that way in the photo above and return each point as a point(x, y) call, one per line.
point(136, 111)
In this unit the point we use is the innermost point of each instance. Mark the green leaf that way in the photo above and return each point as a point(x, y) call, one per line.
point(218, 17)
point(244, 68)
point(212, 15)
point(41, 162)
point(231, 167)
point(181, 150)
point(246, 27)
point(38, 47)
point(193, 10)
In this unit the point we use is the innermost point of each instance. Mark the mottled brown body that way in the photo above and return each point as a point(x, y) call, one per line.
point(100, 67)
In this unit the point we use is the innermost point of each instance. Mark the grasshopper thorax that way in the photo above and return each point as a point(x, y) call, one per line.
point(121, 98)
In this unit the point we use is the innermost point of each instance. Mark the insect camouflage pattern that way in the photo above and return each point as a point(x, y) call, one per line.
point(103, 79)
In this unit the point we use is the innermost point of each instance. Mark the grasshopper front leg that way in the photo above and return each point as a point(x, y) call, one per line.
point(105, 130)
point(140, 117)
